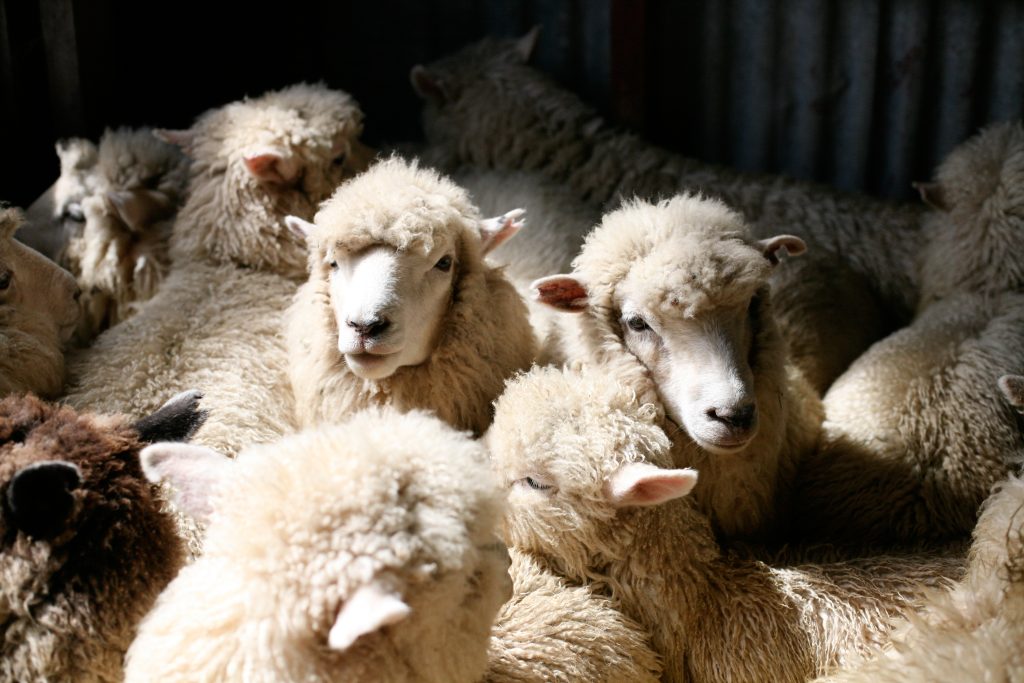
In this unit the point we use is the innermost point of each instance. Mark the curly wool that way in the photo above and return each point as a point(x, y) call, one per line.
point(731, 618)
point(70, 604)
point(301, 524)
point(485, 335)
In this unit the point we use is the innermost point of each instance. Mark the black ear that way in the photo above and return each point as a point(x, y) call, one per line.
point(39, 499)
point(176, 420)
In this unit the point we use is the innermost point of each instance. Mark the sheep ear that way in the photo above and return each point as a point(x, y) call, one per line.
point(640, 483)
point(525, 46)
point(1012, 387)
point(139, 208)
point(790, 244)
point(428, 86)
point(193, 471)
point(39, 499)
point(368, 610)
point(932, 194)
point(272, 167)
point(497, 230)
point(176, 420)
point(563, 292)
point(76, 153)
point(181, 138)
point(299, 227)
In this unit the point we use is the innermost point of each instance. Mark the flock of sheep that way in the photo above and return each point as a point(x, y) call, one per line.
point(689, 425)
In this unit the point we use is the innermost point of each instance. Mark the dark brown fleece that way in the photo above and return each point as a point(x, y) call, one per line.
point(69, 604)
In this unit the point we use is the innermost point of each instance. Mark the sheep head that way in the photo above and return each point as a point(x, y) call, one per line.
point(974, 237)
point(260, 159)
point(681, 287)
point(38, 313)
point(391, 269)
point(577, 453)
point(333, 534)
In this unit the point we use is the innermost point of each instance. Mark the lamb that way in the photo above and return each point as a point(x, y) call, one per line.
point(86, 547)
point(915, 435)
point(216, 321)
point(591, 496)
point(400, 307)
point(119, 254)
point(365, 551)
point(38, 314)
point(551, 630)
point(486, 108)
point(673, 299)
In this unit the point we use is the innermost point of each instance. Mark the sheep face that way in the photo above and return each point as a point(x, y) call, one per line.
point(38, 313)
point(680, 286)
point(574, 452)
point(392, 270)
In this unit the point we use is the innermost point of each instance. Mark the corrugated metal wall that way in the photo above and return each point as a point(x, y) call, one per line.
point(865, 94)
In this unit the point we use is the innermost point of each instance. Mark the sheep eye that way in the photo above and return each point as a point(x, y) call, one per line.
point(637, 323)
point(5, 280)
point(534, 484)
point(333, 265)
point(444, 264)
point(340, 159)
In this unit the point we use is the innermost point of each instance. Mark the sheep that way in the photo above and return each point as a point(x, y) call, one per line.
point(38, 314)
point(551, 630)
point(558, 222)
point(86, 547)
point(484, 107)
point(973, 240)
point(216, 321)
point(119, 253)
point(915, 434)
point(362, 551)
point(592, 496)
point(673, 298)
point(400, 308)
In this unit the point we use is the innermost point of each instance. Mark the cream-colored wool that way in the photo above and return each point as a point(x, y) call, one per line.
point(974, 241)
point(688, 259)
point(557, 221)
point(215, 323)
point(483, 338)
point(588, 495)
point(37, 315)
point(390, 505)
point(485, 107)
point(119, 254)
point(915, 433)
point(552, 630)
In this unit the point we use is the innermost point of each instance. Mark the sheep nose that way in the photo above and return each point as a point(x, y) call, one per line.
point(369, 328)
point(736, 417)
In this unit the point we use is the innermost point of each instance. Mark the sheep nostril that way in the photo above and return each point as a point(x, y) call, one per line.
point(737, 418)
point(370, 328)
point(77, 294)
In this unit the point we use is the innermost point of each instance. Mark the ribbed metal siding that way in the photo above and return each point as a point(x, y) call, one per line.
point(862, 94)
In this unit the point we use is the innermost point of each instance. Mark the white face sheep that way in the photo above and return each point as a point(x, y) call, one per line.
point(485, 107)
point(86, 546)
point(591, 496)
point(38, 313)
point(362, 551)
point(400, 307)
point(681, 289)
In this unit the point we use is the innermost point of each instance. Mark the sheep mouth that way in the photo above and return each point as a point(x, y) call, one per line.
point(725, 445)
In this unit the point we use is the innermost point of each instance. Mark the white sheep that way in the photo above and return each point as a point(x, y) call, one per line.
point(118, 254)
point(400, 307)
point(86, 544)
point(673, 299)
point(38, 313)
point(365, 551)
point(485, 107)
point(915, 433)
point(552, 630)
point(215, 323)
point(591, 496)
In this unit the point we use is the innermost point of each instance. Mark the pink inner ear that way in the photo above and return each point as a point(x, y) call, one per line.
point(265, 167)
point(425, 85)
point(563, 292)
point(642, 484)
